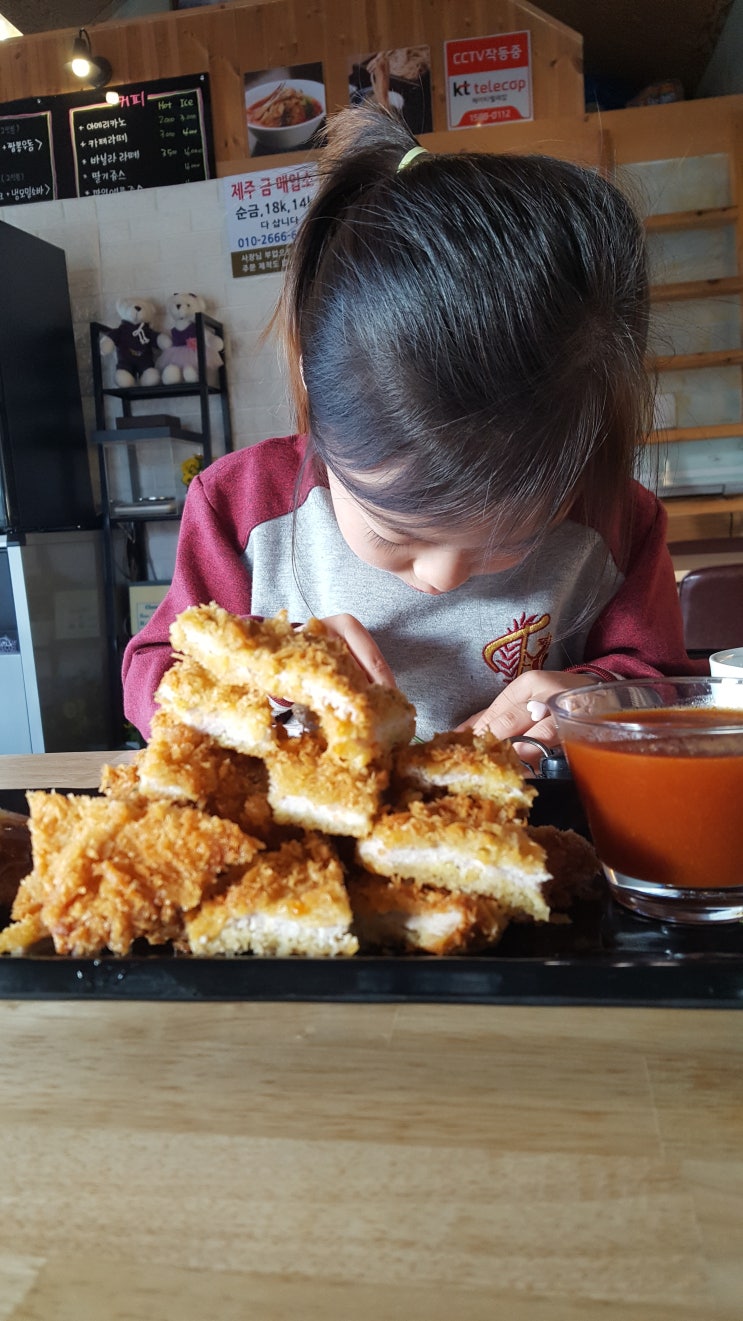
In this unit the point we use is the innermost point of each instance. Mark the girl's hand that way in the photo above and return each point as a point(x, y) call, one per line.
point(518, 709)
point(362, 647)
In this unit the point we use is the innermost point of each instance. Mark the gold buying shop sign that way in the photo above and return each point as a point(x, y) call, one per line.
point(264, 210)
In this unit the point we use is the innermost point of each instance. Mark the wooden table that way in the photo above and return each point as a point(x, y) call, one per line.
point(366, 1162)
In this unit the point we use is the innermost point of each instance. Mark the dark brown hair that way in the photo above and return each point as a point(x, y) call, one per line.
point(466, 336)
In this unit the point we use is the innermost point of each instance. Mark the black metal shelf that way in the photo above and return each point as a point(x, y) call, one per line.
point(159, 391)
point(205, 391)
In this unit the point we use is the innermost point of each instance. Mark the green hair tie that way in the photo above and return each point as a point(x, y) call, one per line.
point(410, 156)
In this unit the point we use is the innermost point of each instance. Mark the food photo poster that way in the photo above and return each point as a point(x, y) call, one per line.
point(285, 108)
point(398, 79)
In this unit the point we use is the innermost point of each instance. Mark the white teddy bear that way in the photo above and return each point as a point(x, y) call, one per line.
point(179, 360)
point(134, 342)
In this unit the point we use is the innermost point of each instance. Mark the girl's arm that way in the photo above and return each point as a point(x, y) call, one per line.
point(209, 566)
point(639, 634)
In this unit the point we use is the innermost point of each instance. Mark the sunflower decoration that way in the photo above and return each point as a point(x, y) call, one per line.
point(190, 467)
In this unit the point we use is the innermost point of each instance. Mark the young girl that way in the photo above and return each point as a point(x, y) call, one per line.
point(466, 337)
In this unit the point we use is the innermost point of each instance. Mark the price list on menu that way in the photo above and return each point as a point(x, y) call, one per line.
point(150, 138)
point(79, 145)
point(27, 172)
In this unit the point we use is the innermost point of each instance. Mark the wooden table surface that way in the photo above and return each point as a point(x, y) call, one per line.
point(177, 1162)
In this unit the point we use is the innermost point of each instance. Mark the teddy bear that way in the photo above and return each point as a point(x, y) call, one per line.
point(134, 341)
point(178, 360)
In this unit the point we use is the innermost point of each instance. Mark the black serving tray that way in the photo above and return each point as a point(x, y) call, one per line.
point(605, 956)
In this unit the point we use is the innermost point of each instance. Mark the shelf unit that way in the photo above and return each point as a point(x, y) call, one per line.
point(678, 135)
point(129, 528)
point(717, 513)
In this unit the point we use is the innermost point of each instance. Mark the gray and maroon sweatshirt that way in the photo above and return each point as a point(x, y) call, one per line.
point(254, 542)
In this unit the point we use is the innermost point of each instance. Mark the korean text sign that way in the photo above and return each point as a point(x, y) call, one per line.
point(264, 210)
point(488, 80)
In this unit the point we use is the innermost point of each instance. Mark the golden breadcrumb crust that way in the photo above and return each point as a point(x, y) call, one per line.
point(232, 715)
point(456, 843)
point(201, 844)
point(572, 862)
point(397, 915)
point(462, 762)
point(288, 902)
point(310, 667)
point(107, 872)
point(309, 788)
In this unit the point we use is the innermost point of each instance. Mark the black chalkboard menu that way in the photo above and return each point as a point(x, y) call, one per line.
point(27, 172)
point(77, 145)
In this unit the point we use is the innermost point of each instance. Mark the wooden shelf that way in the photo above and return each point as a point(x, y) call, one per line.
point(680, 362)
point(720, 431)
point(717, 288)
point(704, 218)
point(703, 504)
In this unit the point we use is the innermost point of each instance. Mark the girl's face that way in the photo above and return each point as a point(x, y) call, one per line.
point(426, 560)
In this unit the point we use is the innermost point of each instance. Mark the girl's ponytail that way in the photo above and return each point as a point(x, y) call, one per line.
point(362, 150)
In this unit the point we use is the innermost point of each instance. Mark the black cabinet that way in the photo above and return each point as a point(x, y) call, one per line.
point(145, 461)
point(44, 472)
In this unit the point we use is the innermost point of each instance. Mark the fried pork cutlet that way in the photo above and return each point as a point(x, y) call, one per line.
point(360, 722)
point(458, 843)
point(15, 855)
point(291, 901)
point(231, 714)
point(308, 788)
point(480, 766)
point(107, 872)
point(403, 917)
point(182, 766)
point(121, 782)
point(572, 862)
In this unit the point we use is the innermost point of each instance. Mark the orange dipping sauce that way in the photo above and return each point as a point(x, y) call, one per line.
point(666, 808)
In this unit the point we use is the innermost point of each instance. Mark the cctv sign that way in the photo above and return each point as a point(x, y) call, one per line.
point(488, 80)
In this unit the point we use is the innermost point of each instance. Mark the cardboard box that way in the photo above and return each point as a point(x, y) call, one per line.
point(144, 598)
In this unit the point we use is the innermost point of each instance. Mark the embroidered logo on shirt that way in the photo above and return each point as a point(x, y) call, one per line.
point(510, 656)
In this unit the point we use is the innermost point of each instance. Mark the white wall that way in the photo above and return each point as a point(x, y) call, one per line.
point(154, 242)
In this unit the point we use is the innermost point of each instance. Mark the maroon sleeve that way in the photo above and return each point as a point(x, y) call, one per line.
point(223, 505)
point(640, 631)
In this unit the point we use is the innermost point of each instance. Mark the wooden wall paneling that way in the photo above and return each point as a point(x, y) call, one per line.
point(681, 128)
point(312, 30)
point(231, 40)
point(736, 189)
point(569, 138)
point(211, 44)
point(35, 66)
point(145, 51)
point(349, 29)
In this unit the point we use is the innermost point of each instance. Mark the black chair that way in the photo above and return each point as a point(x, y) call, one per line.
point(711, 602)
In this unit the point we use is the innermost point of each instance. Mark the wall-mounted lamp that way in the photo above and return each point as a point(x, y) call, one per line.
point(89, 68)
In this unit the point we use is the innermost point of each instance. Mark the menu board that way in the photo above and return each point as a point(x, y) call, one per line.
point(77, 145)
point(27, 172)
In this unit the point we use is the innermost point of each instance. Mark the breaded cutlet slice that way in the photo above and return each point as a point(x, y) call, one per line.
point(459, 843)
point(121, 782)
point(291, 901)
point(401, 916)
point(107, 872)
point(573, 863)
point(480, 766)
point(183, 766)
point(15, 855)
point(307, 787)
point(231, 714)
point(361, 722)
